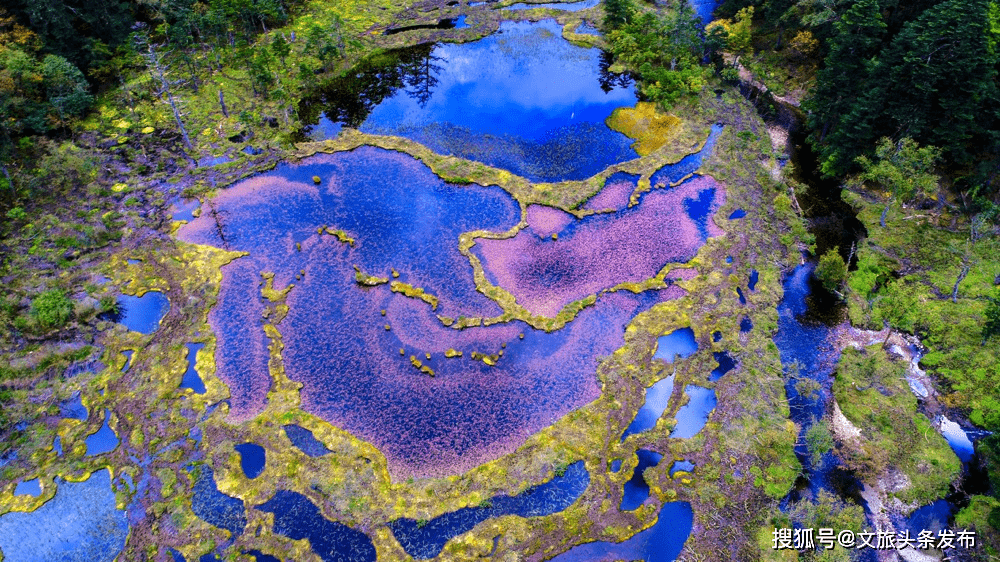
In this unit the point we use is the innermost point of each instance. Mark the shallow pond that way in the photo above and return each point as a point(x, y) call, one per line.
point(297, 518)
point(104, 441)
point(636, 490)
point(141, 314)
point(681, 466)
point(426, 539)
point(693, 416)
point(305, 441)
point(523, 99)
point(660, 543)
point(253, 459)
point(679, 344)
point(28, 488)
point(657, 397)
point(79, 523)
point(191, 378)
point(402, 219)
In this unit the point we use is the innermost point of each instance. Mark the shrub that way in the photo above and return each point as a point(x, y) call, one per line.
point(52, 309)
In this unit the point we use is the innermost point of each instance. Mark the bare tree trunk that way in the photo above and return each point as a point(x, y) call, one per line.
point(961, 276)
point(222, 103)
point(154, 60)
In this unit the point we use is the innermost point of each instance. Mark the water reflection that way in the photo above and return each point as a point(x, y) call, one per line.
point(522, 99)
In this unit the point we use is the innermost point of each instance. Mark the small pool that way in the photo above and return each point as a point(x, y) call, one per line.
point(737, 214)
point(657, 397)
point(743, 298)
point(754, 277)
point(681, 466)
point(660, 543)
point(679, 344)
point(191, 378)
point(636, 489)
point(726, 364)
point(426, 539)
point(128, 353)
point(104, 441)
point(28, 488)
point(141, 314)
point(305, 441)
point(297, 517)
point(253, 459)
point(693, 416)
point(746, 324)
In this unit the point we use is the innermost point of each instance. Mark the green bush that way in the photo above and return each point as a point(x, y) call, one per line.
point(52, 309)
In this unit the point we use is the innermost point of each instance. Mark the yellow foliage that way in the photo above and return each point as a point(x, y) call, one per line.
point(650, 128)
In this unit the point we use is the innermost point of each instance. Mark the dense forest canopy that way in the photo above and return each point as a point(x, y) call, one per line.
point(925, 71)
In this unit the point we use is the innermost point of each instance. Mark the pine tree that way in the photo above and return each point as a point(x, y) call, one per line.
point(843, 79)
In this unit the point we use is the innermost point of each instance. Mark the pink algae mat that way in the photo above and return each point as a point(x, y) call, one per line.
point(598, 251)
point(335, 337)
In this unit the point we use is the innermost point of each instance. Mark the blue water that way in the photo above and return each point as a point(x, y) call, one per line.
point(209, 161)
point(636, 489)
point(657, 397)
point(216, 508)
point(754, 276)
point(681, 466)
point(28, 488)
point(660, 543)
point(73, 408)
point(729, 259)
point(177, 556)
point(104, 441)
point(958, 439)
point(737, 214)
point(297, 518)
point(128, 353)
point(185, 209)
point(691, 418)
point(726, 364)
point(677, 344)
point(616, 465)
point(704, 9)
point(532, 103)
point(305, 441)
point(717, 336)
point(142, 314)
point(191, 378)
point(699, 210)
point(80, 523)
point(253, 459)
point(261, 557)
point(568, 6)
point(57, 446)
point(673, 173)
point(931, 517)
point(746, 324)
point(743, 298)
point(427, 541)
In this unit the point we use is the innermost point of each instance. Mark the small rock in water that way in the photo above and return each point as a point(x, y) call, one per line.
point(316, 179)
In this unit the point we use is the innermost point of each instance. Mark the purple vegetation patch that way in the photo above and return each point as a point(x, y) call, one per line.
point(402, 218)
point(615, 194)
point(599, 251)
